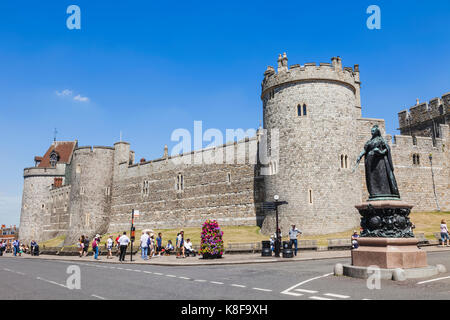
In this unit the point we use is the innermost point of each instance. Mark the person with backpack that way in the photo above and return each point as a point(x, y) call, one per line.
point(81, 245)
point(95, 244)
point(16, 247)
point(109, 245)
point(86, 246)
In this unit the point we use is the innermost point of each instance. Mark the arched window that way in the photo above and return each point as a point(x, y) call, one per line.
point(299, 110)
point(346, 161)
point(304, 109)
point(342, 161)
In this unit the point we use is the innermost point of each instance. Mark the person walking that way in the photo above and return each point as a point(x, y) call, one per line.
point(293, 234)
point(159, 246)
point(144, 246)
point(118, 245)
point(16, 247)
point(95, 244)
point(86, 246)
point(180, 244)
point(109, 245)
point(444, 233)
point(81, 245)
point(123, 242)
point(2, 247)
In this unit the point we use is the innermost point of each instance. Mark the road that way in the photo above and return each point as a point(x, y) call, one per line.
point(302, 280)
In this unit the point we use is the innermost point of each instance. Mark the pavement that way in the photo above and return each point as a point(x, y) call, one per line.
point(227, 259)
point(307, 277)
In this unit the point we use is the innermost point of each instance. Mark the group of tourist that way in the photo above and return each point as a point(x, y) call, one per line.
point(148, 245)
point(18, 248)
point(151, 247)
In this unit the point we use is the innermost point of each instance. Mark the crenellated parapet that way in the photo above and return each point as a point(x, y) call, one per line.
point(309, 72)
point(424, 118)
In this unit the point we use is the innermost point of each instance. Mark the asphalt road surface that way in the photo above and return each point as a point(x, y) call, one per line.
point(302, 280)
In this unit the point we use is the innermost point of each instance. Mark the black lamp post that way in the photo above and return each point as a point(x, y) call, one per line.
point(432, 178)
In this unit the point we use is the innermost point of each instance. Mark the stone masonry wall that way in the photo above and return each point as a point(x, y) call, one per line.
point(225, 192)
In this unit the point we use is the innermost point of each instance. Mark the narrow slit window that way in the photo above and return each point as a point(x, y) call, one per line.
point(310, 197)
point(304, 109)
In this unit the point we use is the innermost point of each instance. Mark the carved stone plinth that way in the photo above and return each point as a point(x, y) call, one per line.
point(389, 253)
point(386, 239)
point(385, 219)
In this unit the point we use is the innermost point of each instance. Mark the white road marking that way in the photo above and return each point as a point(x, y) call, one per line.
point(137, 270)
point(199, 280)
point(159, 274)
point(13, 271)
point(170, 275)
point(261, 289)
point(320, 298)
point(216, 282)
point(336, 295)
point(437, 279)
point(185, 278)
point(95, 296)
point(147, 272)
point(52, 282)
point(238, 285)
point(305, 291)
point(287, 291)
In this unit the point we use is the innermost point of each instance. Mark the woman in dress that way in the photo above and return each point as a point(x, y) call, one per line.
point(380, 179)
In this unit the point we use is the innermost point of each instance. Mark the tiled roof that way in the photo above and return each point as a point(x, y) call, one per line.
point(64, 149)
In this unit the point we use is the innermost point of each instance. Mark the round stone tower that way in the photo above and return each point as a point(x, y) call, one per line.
point(91, 174)
point(313, 111)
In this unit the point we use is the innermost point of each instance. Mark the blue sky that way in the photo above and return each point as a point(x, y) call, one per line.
point(147, 68)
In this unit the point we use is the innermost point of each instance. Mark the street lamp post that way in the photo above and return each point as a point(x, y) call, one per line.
point(277, 239)
point(432, 178)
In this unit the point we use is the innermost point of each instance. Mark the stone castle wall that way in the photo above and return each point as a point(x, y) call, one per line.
point(424, 119)
point(320, 193)
point(91, 173)
point(312, 169)
point(225, 192)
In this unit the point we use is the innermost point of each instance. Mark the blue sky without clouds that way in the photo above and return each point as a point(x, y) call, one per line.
point(147, 68)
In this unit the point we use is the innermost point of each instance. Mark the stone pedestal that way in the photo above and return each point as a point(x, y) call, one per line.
point(389, 253)
point(387, 240)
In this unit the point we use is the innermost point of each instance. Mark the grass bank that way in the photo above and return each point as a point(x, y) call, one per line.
point(425, 222)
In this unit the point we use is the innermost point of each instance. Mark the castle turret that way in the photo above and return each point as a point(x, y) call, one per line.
point(35, 217)
point(91, 179)
point(314, 108)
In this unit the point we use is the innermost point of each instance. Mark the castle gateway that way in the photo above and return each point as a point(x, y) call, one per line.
point(315, 111)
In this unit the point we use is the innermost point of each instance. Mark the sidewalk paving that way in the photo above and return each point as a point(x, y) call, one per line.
point(228, 259)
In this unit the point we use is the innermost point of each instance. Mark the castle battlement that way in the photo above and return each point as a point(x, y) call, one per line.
point(59, 170)
point(424, 112)
point(310, 71)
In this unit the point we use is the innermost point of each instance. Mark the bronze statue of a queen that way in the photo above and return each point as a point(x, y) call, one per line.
point(380, 179)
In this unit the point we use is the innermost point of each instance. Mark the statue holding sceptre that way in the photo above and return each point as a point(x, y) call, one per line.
point(380, 179)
